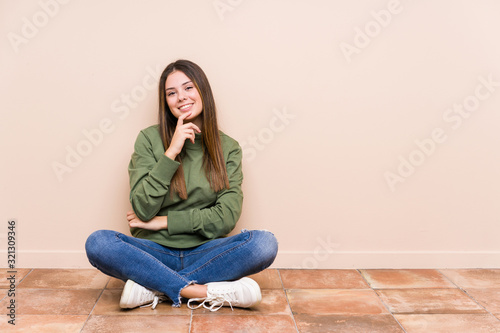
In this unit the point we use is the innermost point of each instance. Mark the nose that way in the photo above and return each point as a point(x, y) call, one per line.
point(181, 96)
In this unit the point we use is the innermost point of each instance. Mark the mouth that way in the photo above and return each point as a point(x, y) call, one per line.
point(186, 107)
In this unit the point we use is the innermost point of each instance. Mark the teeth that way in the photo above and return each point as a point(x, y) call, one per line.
point(185, 107)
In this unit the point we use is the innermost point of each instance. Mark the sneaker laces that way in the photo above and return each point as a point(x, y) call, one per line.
point(215, 301)
point(156, 300)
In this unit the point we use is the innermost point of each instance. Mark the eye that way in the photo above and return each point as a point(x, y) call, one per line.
point(170, 93)
point(189, 87)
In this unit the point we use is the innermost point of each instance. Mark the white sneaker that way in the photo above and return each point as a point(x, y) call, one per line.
point(135, 295)
point(243, 293)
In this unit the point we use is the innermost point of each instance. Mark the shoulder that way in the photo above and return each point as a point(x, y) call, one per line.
point(149, 138)
point(151, 134)
point(233, 154)
point(151, 131)
point(228, 143)
point(230, 148)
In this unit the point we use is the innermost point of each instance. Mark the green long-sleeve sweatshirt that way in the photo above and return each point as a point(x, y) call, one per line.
point(205, 214)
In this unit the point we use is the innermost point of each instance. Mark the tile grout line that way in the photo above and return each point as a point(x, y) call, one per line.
point(107, 283)
point(90, 313)
point(374, 289)
point(67, 289)
point(16, 286)
point(380, 299)
point(467, 294)
point(31, 270)
point(287, 301)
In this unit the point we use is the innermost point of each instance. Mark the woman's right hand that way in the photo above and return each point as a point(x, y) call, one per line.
point(181, 134)
point(155, 224)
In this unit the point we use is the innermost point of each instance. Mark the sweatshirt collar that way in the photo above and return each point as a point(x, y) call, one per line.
point(197, 142)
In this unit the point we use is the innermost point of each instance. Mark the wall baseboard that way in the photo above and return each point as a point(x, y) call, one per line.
point(48, 259)
point(299, 259)
point(387, 259)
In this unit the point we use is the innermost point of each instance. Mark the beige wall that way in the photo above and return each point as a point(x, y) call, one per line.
point(370, 128)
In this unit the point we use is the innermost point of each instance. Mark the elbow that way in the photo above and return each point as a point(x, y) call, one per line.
point(142, 215)
point(230, 224)
point(145, 218)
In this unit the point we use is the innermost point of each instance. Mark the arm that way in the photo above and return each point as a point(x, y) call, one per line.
point(155, 224)
point(219, 219)
point(149, 178)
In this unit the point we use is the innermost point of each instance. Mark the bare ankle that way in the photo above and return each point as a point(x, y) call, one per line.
point(194, 291)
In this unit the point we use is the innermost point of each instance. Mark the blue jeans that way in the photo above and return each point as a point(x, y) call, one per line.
point(169, 270)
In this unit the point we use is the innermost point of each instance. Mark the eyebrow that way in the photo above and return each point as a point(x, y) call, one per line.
point(181, 85)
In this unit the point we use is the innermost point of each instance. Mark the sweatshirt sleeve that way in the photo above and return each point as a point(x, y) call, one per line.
point(149, 178)
point(219, 219)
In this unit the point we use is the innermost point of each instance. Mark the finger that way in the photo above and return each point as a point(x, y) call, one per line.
point(191, 136)
point(180, 120)
point(196, 128)
point(192, 126)
point(134, 224)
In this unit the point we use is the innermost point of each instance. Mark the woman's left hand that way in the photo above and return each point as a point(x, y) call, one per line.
point(155, 224)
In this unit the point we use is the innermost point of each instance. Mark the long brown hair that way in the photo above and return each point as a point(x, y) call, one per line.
point(213, 159)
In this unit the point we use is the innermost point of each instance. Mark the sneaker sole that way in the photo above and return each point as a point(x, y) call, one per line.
point(127, 291)
point(256, 292)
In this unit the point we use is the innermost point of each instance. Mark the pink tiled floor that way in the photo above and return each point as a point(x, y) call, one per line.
point(72, 300)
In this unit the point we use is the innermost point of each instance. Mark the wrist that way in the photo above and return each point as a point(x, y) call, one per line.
point(170, 154)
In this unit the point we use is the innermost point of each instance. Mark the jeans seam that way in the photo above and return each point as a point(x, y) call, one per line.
point(147, 254)
point(158, 261)
point(220, 255)
point(195, 250)
point(132, 239)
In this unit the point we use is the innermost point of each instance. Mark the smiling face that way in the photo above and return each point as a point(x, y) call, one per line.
point(183, 97)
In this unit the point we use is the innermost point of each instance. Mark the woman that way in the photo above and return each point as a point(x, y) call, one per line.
point(185, 179)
